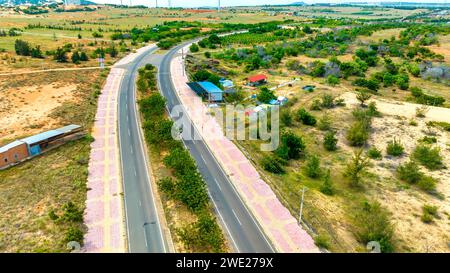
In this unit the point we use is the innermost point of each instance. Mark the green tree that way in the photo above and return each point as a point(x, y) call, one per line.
point(330, 141)
point(313, 169)
point(265, 95)
point(372, 223)
point(22, 48)
point(194, 48)
point(327, 186)
point(363, 96)
point(356, 168)
point(60, 55)
point(291, 146)
point(76, 57)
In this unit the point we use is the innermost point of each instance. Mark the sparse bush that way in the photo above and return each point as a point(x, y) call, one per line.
point(316, 105)
point(322, 241)
point(168, 186)
point(427, 183)
point(333, 80)
point(374, 153)
point(330, 141)
point(428, 140)
point(305, 117)
point(327, 101)
point(327, 186)
point(286, 117)
point(313, 169)
point(395, 148)
point(429, 212)
point(356, 168)
point(324, 123)
point(372, 223)
point(428, 157)
point(291, 146)
point(72, 213)
point(421, 111)
point(272, 164)
point(74, 234)
point(409, 172)
point(194, 48)
point(363, 96)
point(358, 134)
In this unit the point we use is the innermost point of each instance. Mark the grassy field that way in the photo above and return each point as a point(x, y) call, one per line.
point(31, 191)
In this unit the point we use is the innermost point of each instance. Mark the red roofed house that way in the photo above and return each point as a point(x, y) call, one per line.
point(257, 80)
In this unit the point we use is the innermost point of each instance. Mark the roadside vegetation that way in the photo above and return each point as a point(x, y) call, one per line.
point(182, 183)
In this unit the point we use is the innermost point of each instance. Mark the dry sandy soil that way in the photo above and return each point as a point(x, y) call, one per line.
point(405, 203)
point(24, 110)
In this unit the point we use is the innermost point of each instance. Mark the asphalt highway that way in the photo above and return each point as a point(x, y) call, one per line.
point(143, 226)
point(242, 229)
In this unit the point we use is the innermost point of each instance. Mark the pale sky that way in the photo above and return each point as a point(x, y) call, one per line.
point(197, 3)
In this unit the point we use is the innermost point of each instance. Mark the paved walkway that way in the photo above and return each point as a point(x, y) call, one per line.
point(104, 214)
point(104, 211)
point(277, 222)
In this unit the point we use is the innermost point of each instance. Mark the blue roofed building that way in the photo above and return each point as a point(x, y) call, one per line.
point(208, 90)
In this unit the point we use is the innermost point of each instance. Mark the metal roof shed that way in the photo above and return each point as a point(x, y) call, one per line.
point(207, 89)
point(42, 137)
point(10, 146)
point(69, 128)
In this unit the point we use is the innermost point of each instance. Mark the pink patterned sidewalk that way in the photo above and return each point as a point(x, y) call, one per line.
point(277, 222)
point(104, 215)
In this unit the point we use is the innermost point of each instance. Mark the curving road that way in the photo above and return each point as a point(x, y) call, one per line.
point(242, 229)
point(143, 226)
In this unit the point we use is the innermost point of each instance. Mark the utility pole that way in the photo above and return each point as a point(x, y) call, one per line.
point(301, 205)
point(218, 6)
point(170, 3)
point(156, 3)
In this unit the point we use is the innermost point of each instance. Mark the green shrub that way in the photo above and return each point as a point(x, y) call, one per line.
point(358, 134)
point(74, 234)
point(395, 148)
point(322, 241)
point(324, 123)
point(428, 157)
point(305, 117)
point(313, 169)
point(427, 183)
point(327, 101)
point(432, 210)
point(316, 105)
point(426, 218)
point(330, 141)
point(356, 168)
point(265, 95)
point(52, 215)
point(72, 213)
point(333, 80)
point(194, 48)
point(372, 223)
point(429, 140)
point(272, 164)
point(327, 186)
point(374, 153)
point(286, 117)
point(291, 146)
point(168, 186)
point(363, 96)
point(202, 236)
point(409, 172)
point(429, 212)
